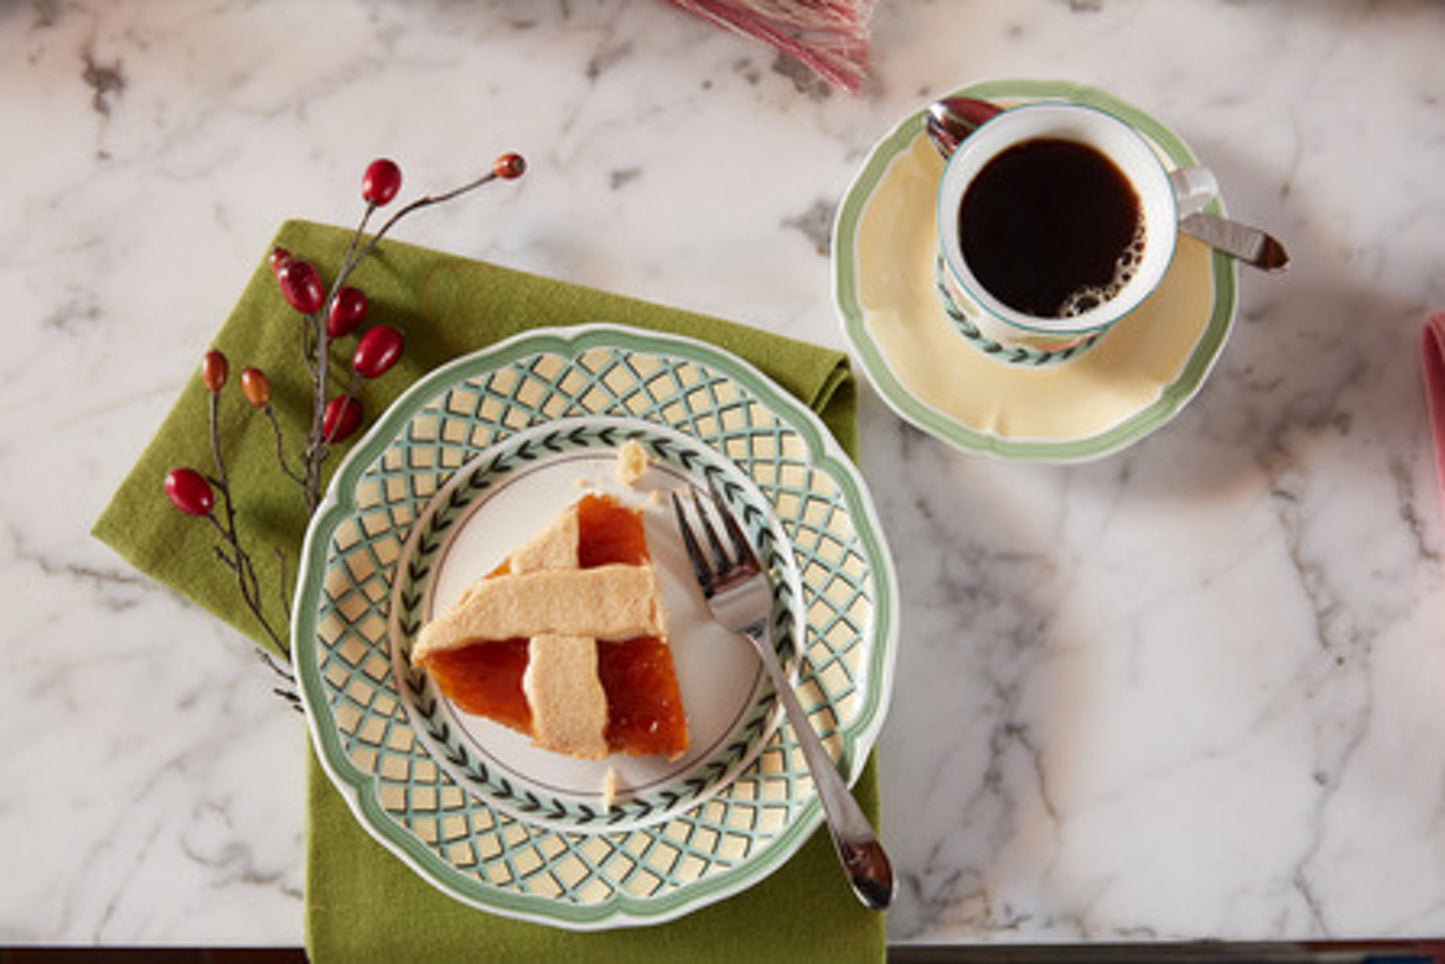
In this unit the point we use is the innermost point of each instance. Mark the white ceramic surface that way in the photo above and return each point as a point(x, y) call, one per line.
point(1134, 159)
point(1191, 690)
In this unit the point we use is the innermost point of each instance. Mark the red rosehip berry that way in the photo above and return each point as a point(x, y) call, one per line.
point(380, 182)
point(509, 166)
point(278, 257)
point(301, 286)
point(214, 370)
point(189, 491)
point(256, 387)
point(377, 351)
point(347, 310)
point(341, 418)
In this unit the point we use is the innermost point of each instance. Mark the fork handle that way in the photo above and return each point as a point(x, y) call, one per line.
point(864, 860)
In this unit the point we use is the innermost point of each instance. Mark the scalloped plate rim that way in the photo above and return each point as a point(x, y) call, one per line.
point(624, 910)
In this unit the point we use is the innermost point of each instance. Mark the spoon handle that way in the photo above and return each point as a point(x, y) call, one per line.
point(1250, 245)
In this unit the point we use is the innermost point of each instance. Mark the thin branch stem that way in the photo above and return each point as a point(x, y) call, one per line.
point(224, 559)
point(315, 351)
point(308, 345)
point(348, 261)
point(239, 562)
point(315, 452)
point(290, 473)
point(281, 583)
point(213, 401)
point(317, 443)
point(421, 202)
point(288, 691)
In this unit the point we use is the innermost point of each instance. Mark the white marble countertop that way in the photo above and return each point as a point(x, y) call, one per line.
point(1188, 691)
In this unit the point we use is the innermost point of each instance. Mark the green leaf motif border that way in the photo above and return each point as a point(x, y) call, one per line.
point(478, 853)
point(455, 503)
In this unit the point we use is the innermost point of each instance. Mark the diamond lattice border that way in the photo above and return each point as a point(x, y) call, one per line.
point(482, 854)
point(427, 542)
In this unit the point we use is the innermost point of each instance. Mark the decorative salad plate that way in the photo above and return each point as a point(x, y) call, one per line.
point(471, 460)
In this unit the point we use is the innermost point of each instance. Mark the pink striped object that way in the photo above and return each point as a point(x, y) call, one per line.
point(830, 37)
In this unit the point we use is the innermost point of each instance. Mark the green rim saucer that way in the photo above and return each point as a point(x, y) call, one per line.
point(1133, 382)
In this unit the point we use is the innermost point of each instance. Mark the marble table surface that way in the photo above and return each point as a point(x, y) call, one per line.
point(1188, 691)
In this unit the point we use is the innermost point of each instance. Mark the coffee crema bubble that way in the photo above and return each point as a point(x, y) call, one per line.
point(1051, 228)
point(1086, 299)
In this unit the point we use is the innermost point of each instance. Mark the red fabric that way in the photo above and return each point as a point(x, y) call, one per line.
point(1432, 353)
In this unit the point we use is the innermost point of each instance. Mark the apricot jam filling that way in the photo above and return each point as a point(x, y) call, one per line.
point(644, 706)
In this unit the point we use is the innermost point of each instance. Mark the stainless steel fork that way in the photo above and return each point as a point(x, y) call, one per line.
point(737, 591)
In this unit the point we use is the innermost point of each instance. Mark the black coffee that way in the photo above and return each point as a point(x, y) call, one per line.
point(1051, 228)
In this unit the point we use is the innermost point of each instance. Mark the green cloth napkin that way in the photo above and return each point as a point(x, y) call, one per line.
point(362, 903)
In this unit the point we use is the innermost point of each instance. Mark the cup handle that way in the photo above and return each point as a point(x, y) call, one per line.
point(1194, 187)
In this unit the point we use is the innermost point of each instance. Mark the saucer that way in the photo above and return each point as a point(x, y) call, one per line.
point(1133, 381)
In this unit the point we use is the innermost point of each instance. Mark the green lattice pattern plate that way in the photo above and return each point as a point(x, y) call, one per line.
point(562, 863)
point(731, 708)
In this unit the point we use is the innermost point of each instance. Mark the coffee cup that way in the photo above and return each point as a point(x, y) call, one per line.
point(1055, 221)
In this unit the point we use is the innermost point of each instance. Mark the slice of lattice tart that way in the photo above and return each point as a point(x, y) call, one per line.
point(565, 641)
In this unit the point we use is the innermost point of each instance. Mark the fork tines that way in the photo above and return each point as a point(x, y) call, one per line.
point(722, 565)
